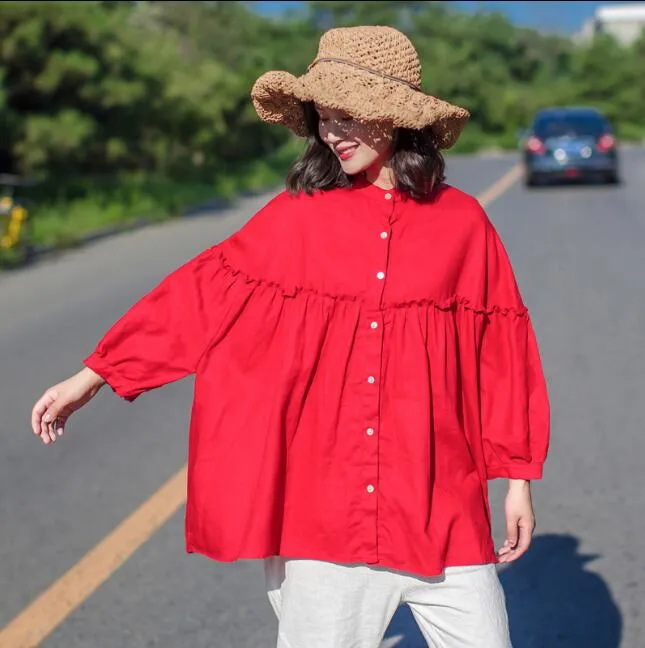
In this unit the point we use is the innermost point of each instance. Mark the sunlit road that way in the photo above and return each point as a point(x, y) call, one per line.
point(579, 254)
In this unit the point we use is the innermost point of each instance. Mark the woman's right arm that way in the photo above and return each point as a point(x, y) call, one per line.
point(163, 336)
point(158, 340)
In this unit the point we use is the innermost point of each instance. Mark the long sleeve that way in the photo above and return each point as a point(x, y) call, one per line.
point(514, 401)
point(161, 338)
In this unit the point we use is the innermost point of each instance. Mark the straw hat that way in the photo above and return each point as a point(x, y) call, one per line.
point(372, 73)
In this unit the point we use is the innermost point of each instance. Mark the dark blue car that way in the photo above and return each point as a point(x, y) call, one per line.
point(570, 144)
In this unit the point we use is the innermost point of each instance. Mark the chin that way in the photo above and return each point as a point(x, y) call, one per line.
point(354, 167)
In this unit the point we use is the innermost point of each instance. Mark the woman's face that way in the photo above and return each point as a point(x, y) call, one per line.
point(359, 146)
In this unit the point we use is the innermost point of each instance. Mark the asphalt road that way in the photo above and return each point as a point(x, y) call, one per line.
point(579, 254)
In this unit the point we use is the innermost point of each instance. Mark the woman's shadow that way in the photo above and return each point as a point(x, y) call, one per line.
point(553, 601)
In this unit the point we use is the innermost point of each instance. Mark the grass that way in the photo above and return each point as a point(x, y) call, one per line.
point(86, 208)
point(64, 223)
point(83, 208)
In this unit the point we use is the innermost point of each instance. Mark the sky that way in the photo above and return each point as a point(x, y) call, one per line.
point(561, 17)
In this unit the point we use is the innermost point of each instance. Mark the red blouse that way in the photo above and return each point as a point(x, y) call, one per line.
point(363, 364)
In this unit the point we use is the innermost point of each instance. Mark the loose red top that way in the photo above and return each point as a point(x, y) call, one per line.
point(363, 365)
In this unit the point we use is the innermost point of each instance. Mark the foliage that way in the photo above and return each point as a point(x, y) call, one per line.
point(93, 94)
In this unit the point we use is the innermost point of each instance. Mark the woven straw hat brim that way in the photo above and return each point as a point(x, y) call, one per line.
point(365, 96)
point(275, 102)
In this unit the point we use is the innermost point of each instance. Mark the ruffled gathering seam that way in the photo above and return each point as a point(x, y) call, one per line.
point(444, 305)
point(466, 304)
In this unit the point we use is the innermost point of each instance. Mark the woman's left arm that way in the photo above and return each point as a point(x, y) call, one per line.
point(515, 411)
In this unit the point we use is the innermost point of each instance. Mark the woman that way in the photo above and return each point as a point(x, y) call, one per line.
point(364, 365)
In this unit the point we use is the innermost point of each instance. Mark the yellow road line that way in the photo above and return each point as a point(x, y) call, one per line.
point(501, 186)
point(41, 617)
point(58, 601)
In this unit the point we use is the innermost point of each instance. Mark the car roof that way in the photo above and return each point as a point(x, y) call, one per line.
point(569, 111)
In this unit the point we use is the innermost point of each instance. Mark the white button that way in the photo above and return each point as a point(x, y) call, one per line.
point(371, 380)
point(380, 275)
point(370, 431)
point(374, 325)
point(370, 489)
point(383, 235)
point(388, 196)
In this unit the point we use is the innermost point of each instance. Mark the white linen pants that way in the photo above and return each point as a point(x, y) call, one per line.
point(328, 605)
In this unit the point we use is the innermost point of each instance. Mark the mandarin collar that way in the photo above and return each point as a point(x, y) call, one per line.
point(361, 184)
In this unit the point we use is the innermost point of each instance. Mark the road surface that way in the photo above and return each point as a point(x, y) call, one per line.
point(579, 255)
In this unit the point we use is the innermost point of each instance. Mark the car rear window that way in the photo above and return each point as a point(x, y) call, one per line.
point(571, 126)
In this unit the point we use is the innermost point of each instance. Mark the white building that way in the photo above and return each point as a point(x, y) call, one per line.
point(625, 22)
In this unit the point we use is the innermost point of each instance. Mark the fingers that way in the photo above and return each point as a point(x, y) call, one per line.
point(47, 420)
point(517, 542)
point(511, 532)
point(49, 432)
point(59, 426)
point(504, 549)
point(44, 432)
point(524, 541)
point(40, 408)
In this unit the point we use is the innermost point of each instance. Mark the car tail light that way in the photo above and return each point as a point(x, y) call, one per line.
point(534, 145)
point(606, 143)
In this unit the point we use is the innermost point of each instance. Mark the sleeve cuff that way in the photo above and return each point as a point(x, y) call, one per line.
point(530, 471)
point(99, 365)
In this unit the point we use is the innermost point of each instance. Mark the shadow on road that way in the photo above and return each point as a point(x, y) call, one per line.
point(553, 601)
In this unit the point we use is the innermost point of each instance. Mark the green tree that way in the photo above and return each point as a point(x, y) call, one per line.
point(94, 92)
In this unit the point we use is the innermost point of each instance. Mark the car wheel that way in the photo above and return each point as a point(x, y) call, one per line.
point(530, 180)
point(612, 178)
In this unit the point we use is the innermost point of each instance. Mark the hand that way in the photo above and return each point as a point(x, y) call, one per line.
point(520, 521)
point(52, 410)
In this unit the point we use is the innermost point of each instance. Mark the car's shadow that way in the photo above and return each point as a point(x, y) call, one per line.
point(566, 184)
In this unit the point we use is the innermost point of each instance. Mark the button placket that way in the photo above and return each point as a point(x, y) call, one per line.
point(371, 340)
point(376, 326)
point(380, 277)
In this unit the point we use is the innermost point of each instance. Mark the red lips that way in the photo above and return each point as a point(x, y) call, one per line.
point(346, 151)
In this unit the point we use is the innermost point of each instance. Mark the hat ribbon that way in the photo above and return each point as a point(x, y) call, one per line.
point(358, 66)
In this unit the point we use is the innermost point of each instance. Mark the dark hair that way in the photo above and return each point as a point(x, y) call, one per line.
point(417, 163)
